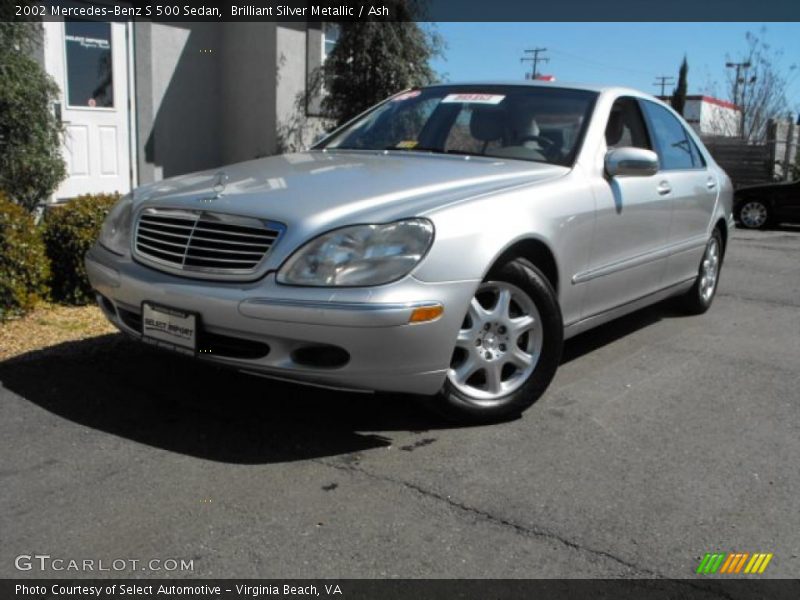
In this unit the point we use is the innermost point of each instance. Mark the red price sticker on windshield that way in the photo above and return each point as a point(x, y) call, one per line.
point(475, 98)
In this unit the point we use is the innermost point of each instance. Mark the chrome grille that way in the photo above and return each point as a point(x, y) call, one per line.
point(204, 242)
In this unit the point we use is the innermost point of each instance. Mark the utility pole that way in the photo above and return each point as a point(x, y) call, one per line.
point(739, 66)
point(664, 81)
point(535, 59)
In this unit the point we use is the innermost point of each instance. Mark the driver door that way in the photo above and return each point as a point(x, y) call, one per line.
point(631, 224)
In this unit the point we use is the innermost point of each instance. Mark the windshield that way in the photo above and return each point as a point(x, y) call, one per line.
point(541, 124)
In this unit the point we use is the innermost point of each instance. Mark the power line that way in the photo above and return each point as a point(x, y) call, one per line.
point(535, 60)
point(596, 63)
point(664, 81)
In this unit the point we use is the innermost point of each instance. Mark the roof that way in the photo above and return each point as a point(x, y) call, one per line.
point(549, 84)
point(529, 83)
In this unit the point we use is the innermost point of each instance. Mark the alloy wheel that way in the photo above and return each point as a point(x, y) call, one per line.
point(498, 345)
point(709, 270)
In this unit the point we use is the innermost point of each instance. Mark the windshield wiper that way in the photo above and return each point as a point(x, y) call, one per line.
point(416, 149)
point(464, 153)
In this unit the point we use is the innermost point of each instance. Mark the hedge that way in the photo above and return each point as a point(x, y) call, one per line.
point(31, 165)
point(69, 232)
point(24, 266)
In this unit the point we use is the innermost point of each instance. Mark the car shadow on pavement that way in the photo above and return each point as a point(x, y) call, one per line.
point(164, 400)
point(122, 387)
point(607, 333)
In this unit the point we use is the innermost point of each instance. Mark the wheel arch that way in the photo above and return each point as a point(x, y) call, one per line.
point(534, 250)
point(722, 225)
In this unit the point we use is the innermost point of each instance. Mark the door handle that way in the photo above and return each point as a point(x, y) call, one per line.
point(664, 188)
point(711, 184)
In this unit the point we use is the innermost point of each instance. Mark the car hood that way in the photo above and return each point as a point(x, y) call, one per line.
point(319, 189)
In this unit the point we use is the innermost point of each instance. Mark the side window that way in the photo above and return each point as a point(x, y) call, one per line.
point(697, 157)
point(626, 126)
point(675, 149)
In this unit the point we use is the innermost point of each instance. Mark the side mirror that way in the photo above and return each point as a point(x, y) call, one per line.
point(631, 162)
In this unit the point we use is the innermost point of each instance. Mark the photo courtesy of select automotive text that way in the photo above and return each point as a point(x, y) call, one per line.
point(399, 299)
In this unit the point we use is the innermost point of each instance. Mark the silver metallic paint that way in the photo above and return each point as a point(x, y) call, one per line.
point(618, 245)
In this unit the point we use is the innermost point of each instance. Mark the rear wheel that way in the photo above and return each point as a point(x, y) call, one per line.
point(698, 299)
point(754, 214)
point(508, 348)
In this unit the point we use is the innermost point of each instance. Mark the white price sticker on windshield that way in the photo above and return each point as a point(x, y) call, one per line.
point(474, 98)
point(406, 96)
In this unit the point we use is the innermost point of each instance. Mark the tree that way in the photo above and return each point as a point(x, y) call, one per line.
point(678, 100)
point(374, 59)
point(760, 88)
point(31, 165)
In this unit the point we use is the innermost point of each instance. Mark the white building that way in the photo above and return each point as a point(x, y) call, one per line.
point(711, 116)
point(143, 101)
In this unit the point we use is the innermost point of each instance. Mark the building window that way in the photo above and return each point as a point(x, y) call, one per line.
point(330, 37)
point(89, 70)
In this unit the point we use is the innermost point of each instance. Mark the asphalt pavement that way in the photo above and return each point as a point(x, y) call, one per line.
point(662, 437)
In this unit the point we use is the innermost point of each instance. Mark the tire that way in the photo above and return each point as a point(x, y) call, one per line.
point(753, 214)
point(699, 298)
point(511, 342)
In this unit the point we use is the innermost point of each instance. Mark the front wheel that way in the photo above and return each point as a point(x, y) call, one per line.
point(508, 348)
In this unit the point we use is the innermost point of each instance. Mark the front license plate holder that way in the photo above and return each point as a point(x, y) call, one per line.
point(170, 327)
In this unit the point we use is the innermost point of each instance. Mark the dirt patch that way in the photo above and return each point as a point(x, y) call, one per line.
point(48, 325)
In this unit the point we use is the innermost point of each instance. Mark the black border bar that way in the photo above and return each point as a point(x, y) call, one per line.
point(219, 11)
point(701, 588)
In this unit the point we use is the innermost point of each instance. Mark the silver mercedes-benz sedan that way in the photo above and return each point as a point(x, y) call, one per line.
point(443, 243)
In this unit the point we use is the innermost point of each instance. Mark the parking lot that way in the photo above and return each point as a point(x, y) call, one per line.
point(663, 437)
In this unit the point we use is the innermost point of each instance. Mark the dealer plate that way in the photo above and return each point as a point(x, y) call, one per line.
point(173, 326)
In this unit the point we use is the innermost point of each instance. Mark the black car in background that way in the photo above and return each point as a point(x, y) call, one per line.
point(760, 206)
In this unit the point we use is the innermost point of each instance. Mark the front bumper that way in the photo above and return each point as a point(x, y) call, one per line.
point(370, 325)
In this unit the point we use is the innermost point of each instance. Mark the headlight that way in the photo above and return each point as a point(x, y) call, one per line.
point(115, 234)
point(360, 255)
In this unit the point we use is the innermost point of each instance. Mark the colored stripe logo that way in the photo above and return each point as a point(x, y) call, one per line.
point(734, 563)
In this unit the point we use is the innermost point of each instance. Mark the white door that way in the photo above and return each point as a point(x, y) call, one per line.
point(89, 62)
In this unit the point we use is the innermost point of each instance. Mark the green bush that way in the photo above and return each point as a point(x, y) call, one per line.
point(24, 267)
point(31, 165)
point(69, 232)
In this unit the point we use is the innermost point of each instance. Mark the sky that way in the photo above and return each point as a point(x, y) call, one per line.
point(629, 54)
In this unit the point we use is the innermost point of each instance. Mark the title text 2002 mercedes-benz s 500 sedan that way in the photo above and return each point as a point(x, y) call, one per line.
point(443, 243)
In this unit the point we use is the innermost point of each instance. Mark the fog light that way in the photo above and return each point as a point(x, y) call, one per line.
point(426, 313)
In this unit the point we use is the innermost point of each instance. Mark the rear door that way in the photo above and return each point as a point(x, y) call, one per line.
point(690, 187)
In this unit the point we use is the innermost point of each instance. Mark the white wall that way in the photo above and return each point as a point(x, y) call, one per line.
point(210, 95)
point(718, 120)
point(177, 98)
point(248, 81)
